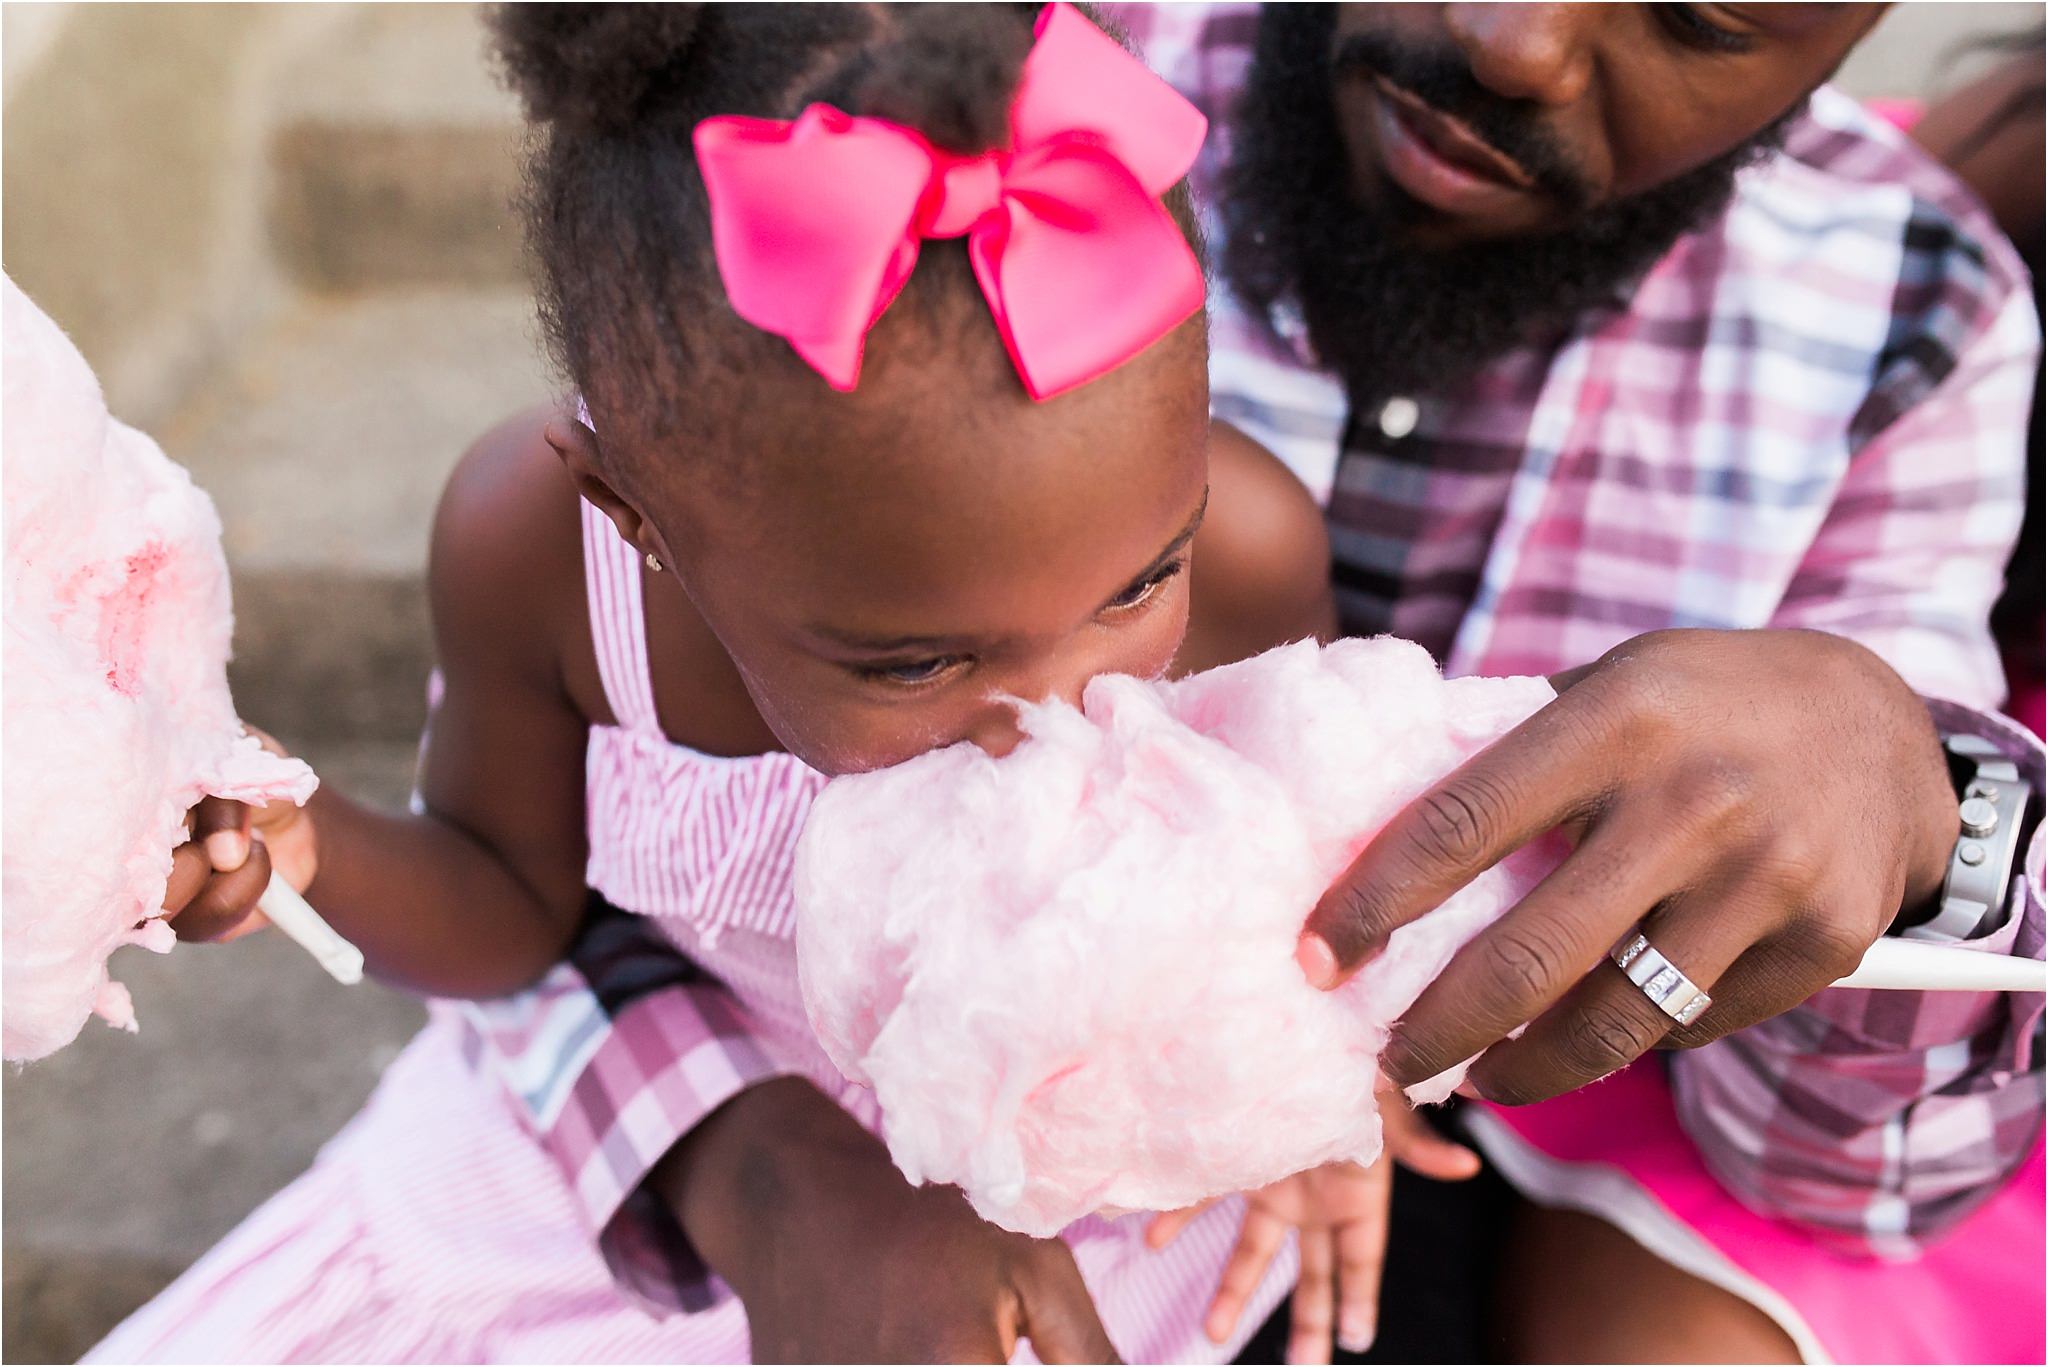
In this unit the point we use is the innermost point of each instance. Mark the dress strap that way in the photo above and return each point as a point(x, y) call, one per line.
point(618, 621)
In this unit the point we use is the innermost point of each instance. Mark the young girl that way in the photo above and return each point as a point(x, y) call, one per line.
point(766, 552)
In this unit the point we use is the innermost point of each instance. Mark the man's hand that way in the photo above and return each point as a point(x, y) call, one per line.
point(1764, 803)
point(1340, 1211)
point(838, 1259)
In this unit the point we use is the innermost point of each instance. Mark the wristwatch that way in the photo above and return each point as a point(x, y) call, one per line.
point(1992, 806)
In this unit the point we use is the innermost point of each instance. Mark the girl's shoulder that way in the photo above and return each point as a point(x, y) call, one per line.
point(505, 564)
point(509, 598)
point(1262, 558)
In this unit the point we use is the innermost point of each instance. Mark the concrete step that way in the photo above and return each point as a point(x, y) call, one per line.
point(325, 447)
point(57, 1305)
point(395, 156)
point(127, 1156)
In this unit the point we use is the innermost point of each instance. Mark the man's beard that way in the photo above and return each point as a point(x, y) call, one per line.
point(1390, 317)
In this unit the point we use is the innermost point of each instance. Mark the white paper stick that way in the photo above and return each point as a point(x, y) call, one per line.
point(1914, 965)
point(1904, 965)
point(291, 914)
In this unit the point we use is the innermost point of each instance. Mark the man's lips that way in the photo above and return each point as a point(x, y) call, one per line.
point(1451, 140)
point(1444, 166)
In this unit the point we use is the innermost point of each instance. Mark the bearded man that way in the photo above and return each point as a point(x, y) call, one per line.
point(1626, 350)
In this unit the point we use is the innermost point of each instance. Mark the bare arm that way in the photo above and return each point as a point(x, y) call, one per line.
point(478, 895)
point(1261, 561)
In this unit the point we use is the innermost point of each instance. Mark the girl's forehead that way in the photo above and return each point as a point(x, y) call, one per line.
point(956, 508)
point(995, 509)
point(952, 442)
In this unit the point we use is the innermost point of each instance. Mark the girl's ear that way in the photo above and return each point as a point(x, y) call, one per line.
point(576, 444)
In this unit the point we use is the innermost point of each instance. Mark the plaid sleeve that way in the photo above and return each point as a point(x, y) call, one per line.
point(1885, 1117)
point(1912, 551)
point(610, 1060)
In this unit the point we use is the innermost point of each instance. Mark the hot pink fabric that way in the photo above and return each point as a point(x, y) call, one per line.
point(817, 221)
point(2029, 707)
point(1976, 1292)
point(1901, 113)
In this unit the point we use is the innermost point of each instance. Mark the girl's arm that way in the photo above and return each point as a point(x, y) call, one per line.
point(479, 893)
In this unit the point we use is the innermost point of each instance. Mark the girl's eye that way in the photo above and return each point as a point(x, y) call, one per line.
point(1142, 590)
point(912, 673)
point(1691, 26)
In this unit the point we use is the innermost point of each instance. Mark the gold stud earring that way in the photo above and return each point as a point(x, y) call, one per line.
point(654, 562)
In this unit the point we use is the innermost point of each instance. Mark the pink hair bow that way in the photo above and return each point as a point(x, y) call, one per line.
point(816, 221)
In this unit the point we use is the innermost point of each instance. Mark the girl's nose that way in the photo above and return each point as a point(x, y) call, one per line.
point(995, 727)
point(1540, 53)
point(996, 731)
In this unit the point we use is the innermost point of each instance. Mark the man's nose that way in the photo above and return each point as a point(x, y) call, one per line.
point(1540, 53)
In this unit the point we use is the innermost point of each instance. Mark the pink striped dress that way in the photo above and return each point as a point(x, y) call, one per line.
point(434, 1228)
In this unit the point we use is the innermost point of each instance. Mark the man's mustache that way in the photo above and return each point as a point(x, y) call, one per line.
point(1444, 82)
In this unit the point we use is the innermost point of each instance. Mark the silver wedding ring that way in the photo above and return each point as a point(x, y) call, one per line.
point(1662, 981)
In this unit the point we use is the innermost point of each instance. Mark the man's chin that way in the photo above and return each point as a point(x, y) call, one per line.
point(1399, 297)
point(1431, 234)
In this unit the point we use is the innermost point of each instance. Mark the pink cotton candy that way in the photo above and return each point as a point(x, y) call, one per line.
point(1069, 974)
point(117, 714)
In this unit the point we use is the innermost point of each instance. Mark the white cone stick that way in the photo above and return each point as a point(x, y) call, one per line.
point(293, 915)
point(1911, 965)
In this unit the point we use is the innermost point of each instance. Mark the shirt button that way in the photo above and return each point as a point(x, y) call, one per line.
point(1398, 418)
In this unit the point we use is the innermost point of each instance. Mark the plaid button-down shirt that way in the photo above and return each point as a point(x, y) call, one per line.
point(1809, 414)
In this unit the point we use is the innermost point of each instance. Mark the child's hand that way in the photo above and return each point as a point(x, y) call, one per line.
point(1340, 1210)
point(838, 1259)
point(220, 871)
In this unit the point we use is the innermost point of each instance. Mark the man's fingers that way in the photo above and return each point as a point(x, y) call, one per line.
point(1607, 1021)
point(1315, 1297)
point(1514, 969)
point(1167, 1225)
point(1361, 1257)
point(1768, 980)
point(1059, 1314)
point(1566, 678)
point(1551, 767)
point(222, 828)
point(1257, 1242)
